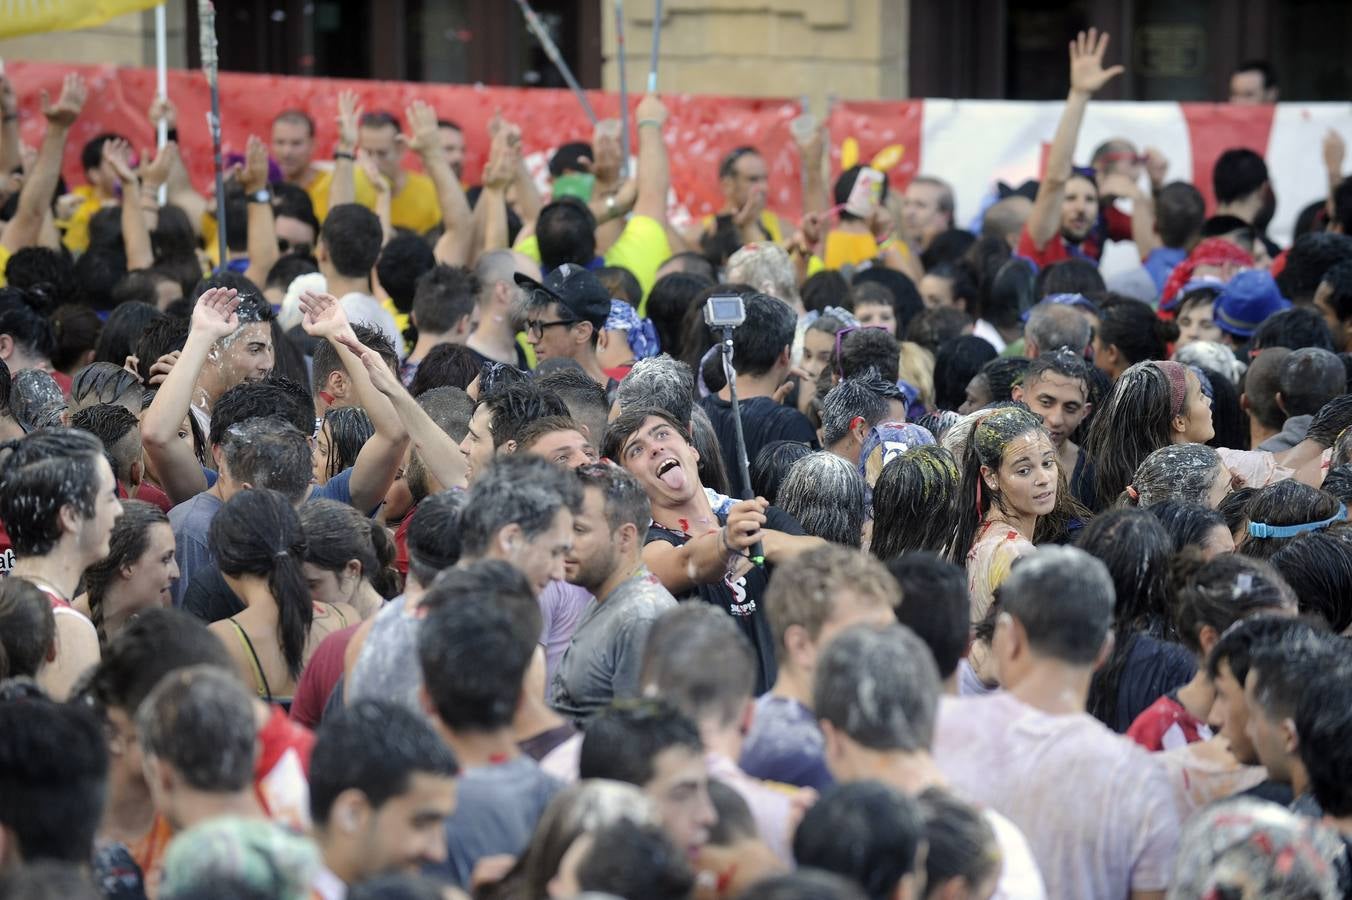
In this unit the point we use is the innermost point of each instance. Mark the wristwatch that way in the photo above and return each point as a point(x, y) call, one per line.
point(261, 196)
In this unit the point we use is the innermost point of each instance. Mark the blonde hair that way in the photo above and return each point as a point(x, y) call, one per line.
point(916, 368)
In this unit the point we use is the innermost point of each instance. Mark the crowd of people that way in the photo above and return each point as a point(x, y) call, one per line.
point(430, 544)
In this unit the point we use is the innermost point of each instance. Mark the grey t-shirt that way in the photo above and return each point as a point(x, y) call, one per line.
point(191, 522)
point(388, 668)
point(496, 809)
point(602, 662)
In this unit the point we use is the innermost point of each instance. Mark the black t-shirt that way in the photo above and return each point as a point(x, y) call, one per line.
point(1153, 669)
point(743, 599)
point(209, 598)
point(763, 421)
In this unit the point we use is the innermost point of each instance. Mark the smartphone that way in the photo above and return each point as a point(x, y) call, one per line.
point(574, 184)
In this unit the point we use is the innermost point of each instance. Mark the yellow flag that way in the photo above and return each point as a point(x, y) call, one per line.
point(19, 17)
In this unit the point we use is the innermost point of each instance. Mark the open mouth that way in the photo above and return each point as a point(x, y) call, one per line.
point(670, 473)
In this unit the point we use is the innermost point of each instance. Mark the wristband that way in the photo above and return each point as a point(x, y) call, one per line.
point(653, 122)
point(343, 154)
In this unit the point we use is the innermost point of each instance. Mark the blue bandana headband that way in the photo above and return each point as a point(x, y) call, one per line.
point(1264, 530)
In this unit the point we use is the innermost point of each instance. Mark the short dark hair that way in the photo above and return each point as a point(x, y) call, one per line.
point(163, 334)
point(1339, 279)
point(1324, 724)
point(27, 628)
point(53, 770)
point(1238, 173)
point(403, 262)
point(352, 235)
point(697, 658)
point(622, 742)
point(445, 365)
point(153, 644)
point(630, 421)
point(23, 316)
point(1342, 205)
point(298, 116)
point(568, 158)
point(962, 843)
point(880, 687)
point(433, 539)
point(865, 830)
point(201, 721)
point(103, 382)
point(326, 360)
point(1179, 213)
point(258, 399)
point(76, 329)
point(625, 501)
point(111, 423)
point(870, 348)
point(374, 746)
point(379, 118)
point(864, 395)
point(517, 405)
point(473, 649)
point(1311, 377)
point(266, 453)
point(566, 231)
point(630, 859)
point(524, 490)
point(1239, 642)
point(935, 605)
point(621, 283)
point(444, 295)
point(765, 334)
point(42, 472)
point(91, 154)
point(1284, 667)
point(584, 397)
point(1309, 258)
point(1064, 599)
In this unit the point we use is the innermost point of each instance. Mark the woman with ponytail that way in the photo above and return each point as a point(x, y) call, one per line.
point(260, 548)
point(348, 558)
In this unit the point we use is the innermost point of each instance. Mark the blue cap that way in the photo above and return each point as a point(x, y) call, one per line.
point(1248, 299)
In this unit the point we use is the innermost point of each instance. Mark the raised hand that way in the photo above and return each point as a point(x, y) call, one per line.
point(1156, 166)
point(9, 102)
point(215, 313)
point(68, 105)
point(381, 376)
point(608, 155)
point(651, 108)
point(323, 316)
point(502, 159)
point(156, 172)
point(349, 119)
point(163, 108)
point(378, 181)
point(254, 176)
point(422, 125)
point(1334, 151)
point(1087, 74)
point(117, 153)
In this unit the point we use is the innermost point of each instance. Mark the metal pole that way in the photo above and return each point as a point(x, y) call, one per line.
point(206, 36)
point(624, 88)
point(161, 85)
point(748, 493)
point(552, 51)
point(657, 42)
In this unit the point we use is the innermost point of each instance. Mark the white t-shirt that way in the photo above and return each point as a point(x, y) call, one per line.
point(1096, 809)
point(1019, 875)
point(365, 308)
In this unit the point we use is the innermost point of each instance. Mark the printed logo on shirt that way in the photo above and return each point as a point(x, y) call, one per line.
point(6, 562)
point(740, 606)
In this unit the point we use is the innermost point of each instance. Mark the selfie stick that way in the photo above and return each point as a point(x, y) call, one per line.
point(206, 39)
point(624, 89)
point(657, 41)
point(725, 347)
point(547, 44)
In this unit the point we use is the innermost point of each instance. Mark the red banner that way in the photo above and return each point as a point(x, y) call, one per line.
point(700, 131)
point(887, 133)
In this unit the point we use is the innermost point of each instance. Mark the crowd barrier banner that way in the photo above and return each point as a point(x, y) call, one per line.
point(969, 143)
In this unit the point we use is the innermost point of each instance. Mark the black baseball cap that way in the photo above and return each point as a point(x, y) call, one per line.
point(576, 290)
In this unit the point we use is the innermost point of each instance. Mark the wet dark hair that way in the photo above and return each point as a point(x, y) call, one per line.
point(161, 335)
point(1228, 419)
point(1293, 328)
point(335, 533)
point(668, 302)
point(1136, 549)
point(1324, 724)
point(23, 316)
point(826, 288)
point(349, 429)
point(433, 539)
point(123, 330)
point(1223, 591)
point(1287, 502)
point(1008, 293)
point(39, 474)
point(913, 502)
point(1003, 373)
point(27, 628)
point(939, 610)
point(772, 465)
point(445, 365)
point(129, 540)
point(1338, 482)
point(1134, 421)
point(870, 348)
point(76, 329)
point(257, 532)
point(517, 406)
point(566, 230)
point(1318, 566)
point(958, 362)
point(325, 359)
point(1133, 328)
point(1187, 523)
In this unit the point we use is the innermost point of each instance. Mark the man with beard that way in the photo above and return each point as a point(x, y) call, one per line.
point(602, 661)
point(1067, 207)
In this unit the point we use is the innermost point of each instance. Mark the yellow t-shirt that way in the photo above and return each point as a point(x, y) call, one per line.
point(76, 237)
point(641, 248)
point(400, 318)
point(769, 222)
point(848, 248)
point(4, 261)
point(415, 207)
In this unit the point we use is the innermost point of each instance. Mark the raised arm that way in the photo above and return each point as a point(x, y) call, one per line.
point(816, 197)
point(378, 461)
point(654, 170)
point(438, 450)
point(154, 174)
point(181, 192)
point(343, 188)
point(172, 459)
point(36, 195)
point(135, 234)
point(10, 157)
point(704, 559)
point(457, 223)
point(490, 212)
point(1087, 75)
point(384, 195)
point(613, 197)
point(1334, 151)
point(262, 233)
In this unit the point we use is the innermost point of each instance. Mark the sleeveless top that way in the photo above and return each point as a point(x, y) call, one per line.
point(260, 680)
